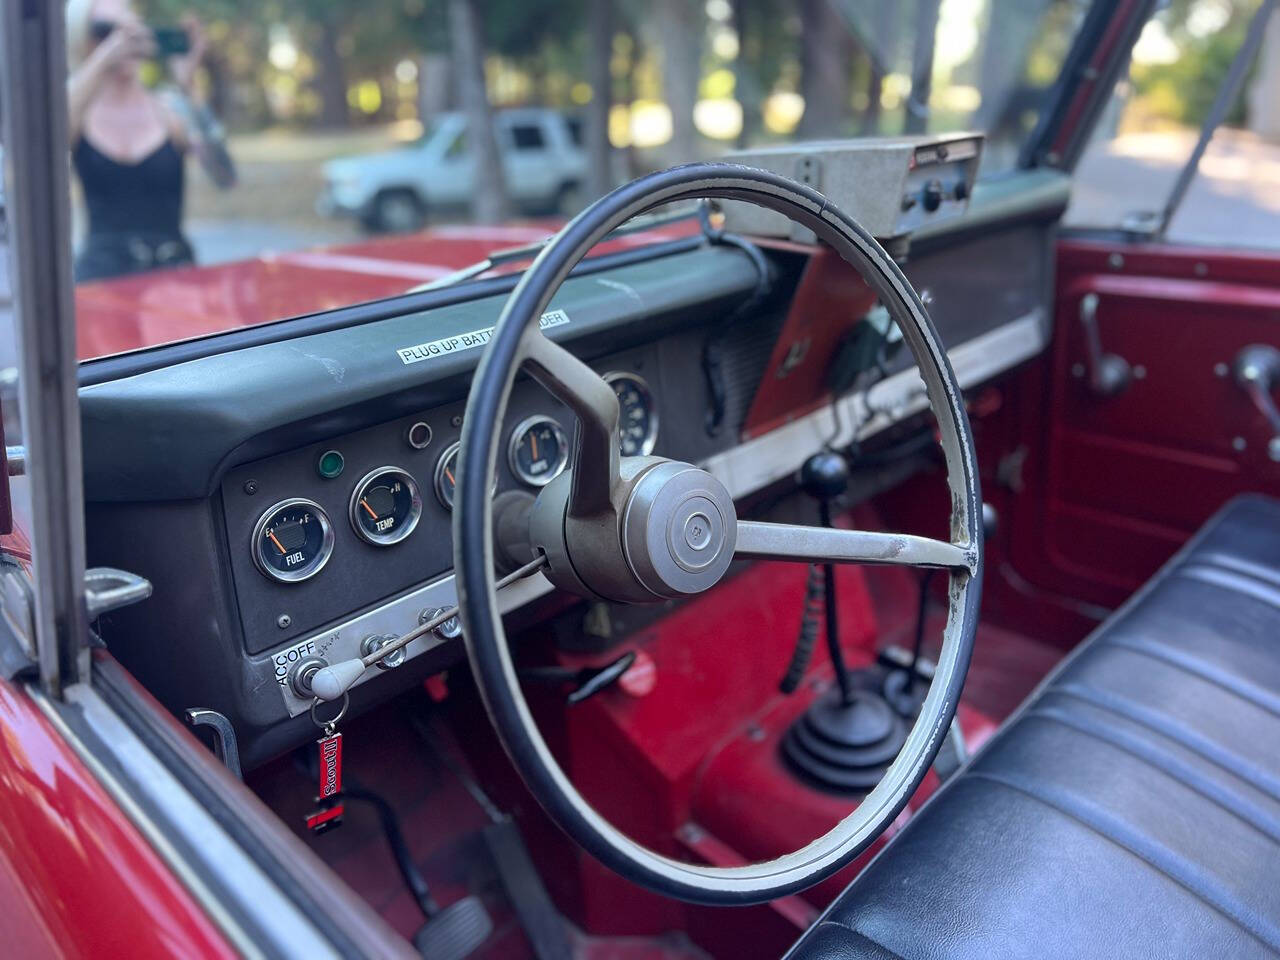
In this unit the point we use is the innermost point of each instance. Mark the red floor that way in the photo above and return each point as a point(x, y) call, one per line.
point(691, 768)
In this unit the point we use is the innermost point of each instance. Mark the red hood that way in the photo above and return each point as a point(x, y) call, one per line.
point(146, 310)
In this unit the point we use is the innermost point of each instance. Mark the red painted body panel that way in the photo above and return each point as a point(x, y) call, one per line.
point(76, 877)
point(830, 299)
point(166, 306)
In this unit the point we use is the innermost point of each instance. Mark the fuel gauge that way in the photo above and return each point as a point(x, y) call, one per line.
point(292, 541)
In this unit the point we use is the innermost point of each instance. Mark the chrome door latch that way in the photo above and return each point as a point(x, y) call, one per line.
point(107, 589)
point(1109, 373)
point(1257, 371)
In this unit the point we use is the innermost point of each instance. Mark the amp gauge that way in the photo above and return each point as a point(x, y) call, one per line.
point(292, 541)
point(538, 451)
point(385, 506)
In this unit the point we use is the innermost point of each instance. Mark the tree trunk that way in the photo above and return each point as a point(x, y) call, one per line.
point(489, 203)
point(1264, 97)
point(746, 88)
point(922, 66)
point(435, 85)
point(599, 54)
point(882, 43)
point(681, 24)
point(825, 70)
point(332, 81)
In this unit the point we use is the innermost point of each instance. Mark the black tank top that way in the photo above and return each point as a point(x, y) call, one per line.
point(143, 198)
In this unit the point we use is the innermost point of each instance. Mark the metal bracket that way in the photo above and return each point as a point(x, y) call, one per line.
point(225, 745)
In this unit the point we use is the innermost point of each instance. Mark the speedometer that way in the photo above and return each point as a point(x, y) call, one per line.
point(638, 419)
point(292, 540)
point(385, 506)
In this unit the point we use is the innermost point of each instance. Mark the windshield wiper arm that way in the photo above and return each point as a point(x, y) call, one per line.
point(527, 251)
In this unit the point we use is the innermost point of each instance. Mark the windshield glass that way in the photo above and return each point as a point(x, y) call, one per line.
point(238, 163)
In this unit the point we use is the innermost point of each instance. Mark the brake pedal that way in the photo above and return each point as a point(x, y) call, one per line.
point(455, 932)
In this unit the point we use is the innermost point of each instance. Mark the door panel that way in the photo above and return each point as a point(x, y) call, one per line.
point(1128, 477)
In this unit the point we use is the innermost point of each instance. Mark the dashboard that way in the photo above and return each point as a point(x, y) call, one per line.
point(291, 500)
point(327, 529)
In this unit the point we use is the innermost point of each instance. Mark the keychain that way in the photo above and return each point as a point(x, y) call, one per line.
point(329, 800)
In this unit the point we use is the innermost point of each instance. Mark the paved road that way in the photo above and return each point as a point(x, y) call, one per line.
point(1234, 199)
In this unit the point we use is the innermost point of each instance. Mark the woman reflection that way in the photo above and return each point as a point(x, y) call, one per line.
point(127, 143)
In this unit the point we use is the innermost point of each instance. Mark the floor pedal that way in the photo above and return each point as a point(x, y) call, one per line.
point(455, 932)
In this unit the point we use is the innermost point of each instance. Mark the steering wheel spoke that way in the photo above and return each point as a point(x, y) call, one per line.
point(594, 460)
point(786, 541)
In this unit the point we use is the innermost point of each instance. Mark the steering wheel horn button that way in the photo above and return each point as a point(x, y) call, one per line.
point(679, 530)
point(696, 532)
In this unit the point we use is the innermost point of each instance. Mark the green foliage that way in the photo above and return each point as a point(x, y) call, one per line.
point(1183, 90)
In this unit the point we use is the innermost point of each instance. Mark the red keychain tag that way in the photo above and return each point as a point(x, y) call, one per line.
point(330, 802)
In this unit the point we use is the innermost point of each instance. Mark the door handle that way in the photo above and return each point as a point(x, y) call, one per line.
point(1257, 371)
point(1109, 373)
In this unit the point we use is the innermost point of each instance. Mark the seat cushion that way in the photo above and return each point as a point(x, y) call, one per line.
point(1130, 808)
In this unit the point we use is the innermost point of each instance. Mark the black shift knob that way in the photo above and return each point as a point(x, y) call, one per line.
point(825, 475)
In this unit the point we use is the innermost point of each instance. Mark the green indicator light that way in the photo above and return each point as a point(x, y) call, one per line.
point(331, 464)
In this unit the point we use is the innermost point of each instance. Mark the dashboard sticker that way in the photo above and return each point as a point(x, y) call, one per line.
point(465, 341)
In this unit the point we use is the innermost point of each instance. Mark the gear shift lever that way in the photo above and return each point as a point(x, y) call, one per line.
point(825, 476)
point(848, 736)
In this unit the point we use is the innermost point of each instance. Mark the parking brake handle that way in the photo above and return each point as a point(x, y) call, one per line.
point(1109, 373)
point(1257, 371)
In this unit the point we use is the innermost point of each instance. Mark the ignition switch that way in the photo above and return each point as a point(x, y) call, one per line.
point(302, 673)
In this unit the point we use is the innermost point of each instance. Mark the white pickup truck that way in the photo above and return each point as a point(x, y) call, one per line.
point(397, 190)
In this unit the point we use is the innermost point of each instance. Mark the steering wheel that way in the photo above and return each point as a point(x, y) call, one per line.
point(637, 529)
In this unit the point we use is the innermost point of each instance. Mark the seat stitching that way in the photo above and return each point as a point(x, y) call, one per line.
point(1177, 868)
point(1236, 565)
point(1231, 762)
point(1230, 580)
point(1166, 763)
point(1200, 668)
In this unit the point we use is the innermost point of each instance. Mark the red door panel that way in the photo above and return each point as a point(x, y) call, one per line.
point(1127, 478)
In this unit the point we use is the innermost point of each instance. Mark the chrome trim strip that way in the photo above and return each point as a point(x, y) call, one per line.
point(278, 924)
point(756, 463)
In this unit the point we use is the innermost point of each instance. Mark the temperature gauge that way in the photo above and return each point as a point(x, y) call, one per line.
point(385, 506)
point(637, 418)
point(292, 541)
point(538, 451)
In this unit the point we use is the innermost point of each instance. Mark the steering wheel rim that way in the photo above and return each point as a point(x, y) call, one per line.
point(511, 344)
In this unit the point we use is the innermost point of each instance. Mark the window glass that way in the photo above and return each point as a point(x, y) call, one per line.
point(525, 136)
point(1153, 121)
point(233, 162)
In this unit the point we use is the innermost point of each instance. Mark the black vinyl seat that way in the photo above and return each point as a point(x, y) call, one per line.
point(1130, 808)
